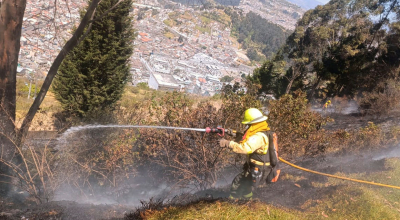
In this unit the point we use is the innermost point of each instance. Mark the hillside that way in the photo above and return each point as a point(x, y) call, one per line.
point(257, 35)
point(327, 96)
point(280, 12)
point(297, 195)
point(306, 4)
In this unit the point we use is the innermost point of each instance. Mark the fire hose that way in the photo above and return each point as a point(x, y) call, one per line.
point(337, 177)
point(330, 175)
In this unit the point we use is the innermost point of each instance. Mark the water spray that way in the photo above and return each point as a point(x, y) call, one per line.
point(219, 130)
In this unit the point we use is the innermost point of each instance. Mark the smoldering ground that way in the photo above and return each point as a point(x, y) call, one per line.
point(292, 191)
point(86, 201)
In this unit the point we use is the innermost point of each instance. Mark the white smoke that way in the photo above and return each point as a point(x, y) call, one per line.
point(395, 152)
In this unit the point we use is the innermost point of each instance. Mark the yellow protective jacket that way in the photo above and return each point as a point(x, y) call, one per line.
point(257, 143)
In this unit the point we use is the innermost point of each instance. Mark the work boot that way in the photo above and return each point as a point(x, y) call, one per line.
point(248, 196)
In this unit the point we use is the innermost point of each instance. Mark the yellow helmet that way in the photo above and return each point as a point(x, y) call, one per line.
point(252, 116)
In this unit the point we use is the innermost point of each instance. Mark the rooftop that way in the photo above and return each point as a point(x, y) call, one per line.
point(165, 80)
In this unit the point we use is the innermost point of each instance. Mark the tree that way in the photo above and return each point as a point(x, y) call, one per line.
point(252, 29)
point(342, 48)
point(271, 75)
point(180, 39)
point(252, 54)
point(227, 78)
point(92, 77)
point(12, 137)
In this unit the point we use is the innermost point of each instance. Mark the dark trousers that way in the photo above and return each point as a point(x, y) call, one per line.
point(244, 183)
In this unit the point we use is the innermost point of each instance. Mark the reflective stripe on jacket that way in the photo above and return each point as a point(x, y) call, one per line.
point(257, 143)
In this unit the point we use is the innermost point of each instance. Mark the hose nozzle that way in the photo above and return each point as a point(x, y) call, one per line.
point(220, 131)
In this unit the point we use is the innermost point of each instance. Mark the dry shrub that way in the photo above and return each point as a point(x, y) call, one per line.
point(184, 158)
point(34, 173)
point(300, 131)
point(108, 157)
point(383, 99)
point(99, 158)
point(393, 135)
point(363, 138)
point(369, 137)
point(298, 128)
point(190, 158)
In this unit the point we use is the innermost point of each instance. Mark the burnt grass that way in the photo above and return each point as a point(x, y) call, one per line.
point(289, 192)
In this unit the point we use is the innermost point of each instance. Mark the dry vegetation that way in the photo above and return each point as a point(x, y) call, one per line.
point(109, 158)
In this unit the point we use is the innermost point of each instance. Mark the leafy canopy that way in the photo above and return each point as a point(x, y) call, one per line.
point(92, 77)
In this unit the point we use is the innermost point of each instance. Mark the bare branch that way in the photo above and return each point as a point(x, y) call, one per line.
point(106, 12)
point(88, 29)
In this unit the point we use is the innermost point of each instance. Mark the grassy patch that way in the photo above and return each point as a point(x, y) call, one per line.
point(218, 16)
point(205, 20)
point(43, 119)
point(361, 201)
point(225, 210)
point(169, 35)
point(187, 16)
point(358, 203)
point(173, 15)
point(169, 22)
point(203, 29)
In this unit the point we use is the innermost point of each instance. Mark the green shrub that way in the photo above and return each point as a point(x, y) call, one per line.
point(142, 85)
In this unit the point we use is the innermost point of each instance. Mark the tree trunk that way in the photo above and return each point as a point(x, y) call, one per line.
point(289, 86)
point(292, 79)
point(71, 43)
point(314, 87)
point(11, 16)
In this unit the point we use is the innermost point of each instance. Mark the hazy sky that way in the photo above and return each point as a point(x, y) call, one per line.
point(323, 1)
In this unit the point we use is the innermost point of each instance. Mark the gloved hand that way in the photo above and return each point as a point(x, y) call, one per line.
point(224, 143)
point(238, 137)
point(230, 132)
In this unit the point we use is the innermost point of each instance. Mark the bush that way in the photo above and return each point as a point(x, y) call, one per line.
point(227, 79)
point(185, 158)
point(189, 158)
point(142, 85)
point(384, 98)
point(298, 128)
point(365, 138)
point(106, 158)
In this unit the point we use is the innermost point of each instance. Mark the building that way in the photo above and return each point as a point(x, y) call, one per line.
point(212, 78)
point(165, 82)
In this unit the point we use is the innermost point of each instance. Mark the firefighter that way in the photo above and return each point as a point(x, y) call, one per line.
point(260, 144)
point(326, 105)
